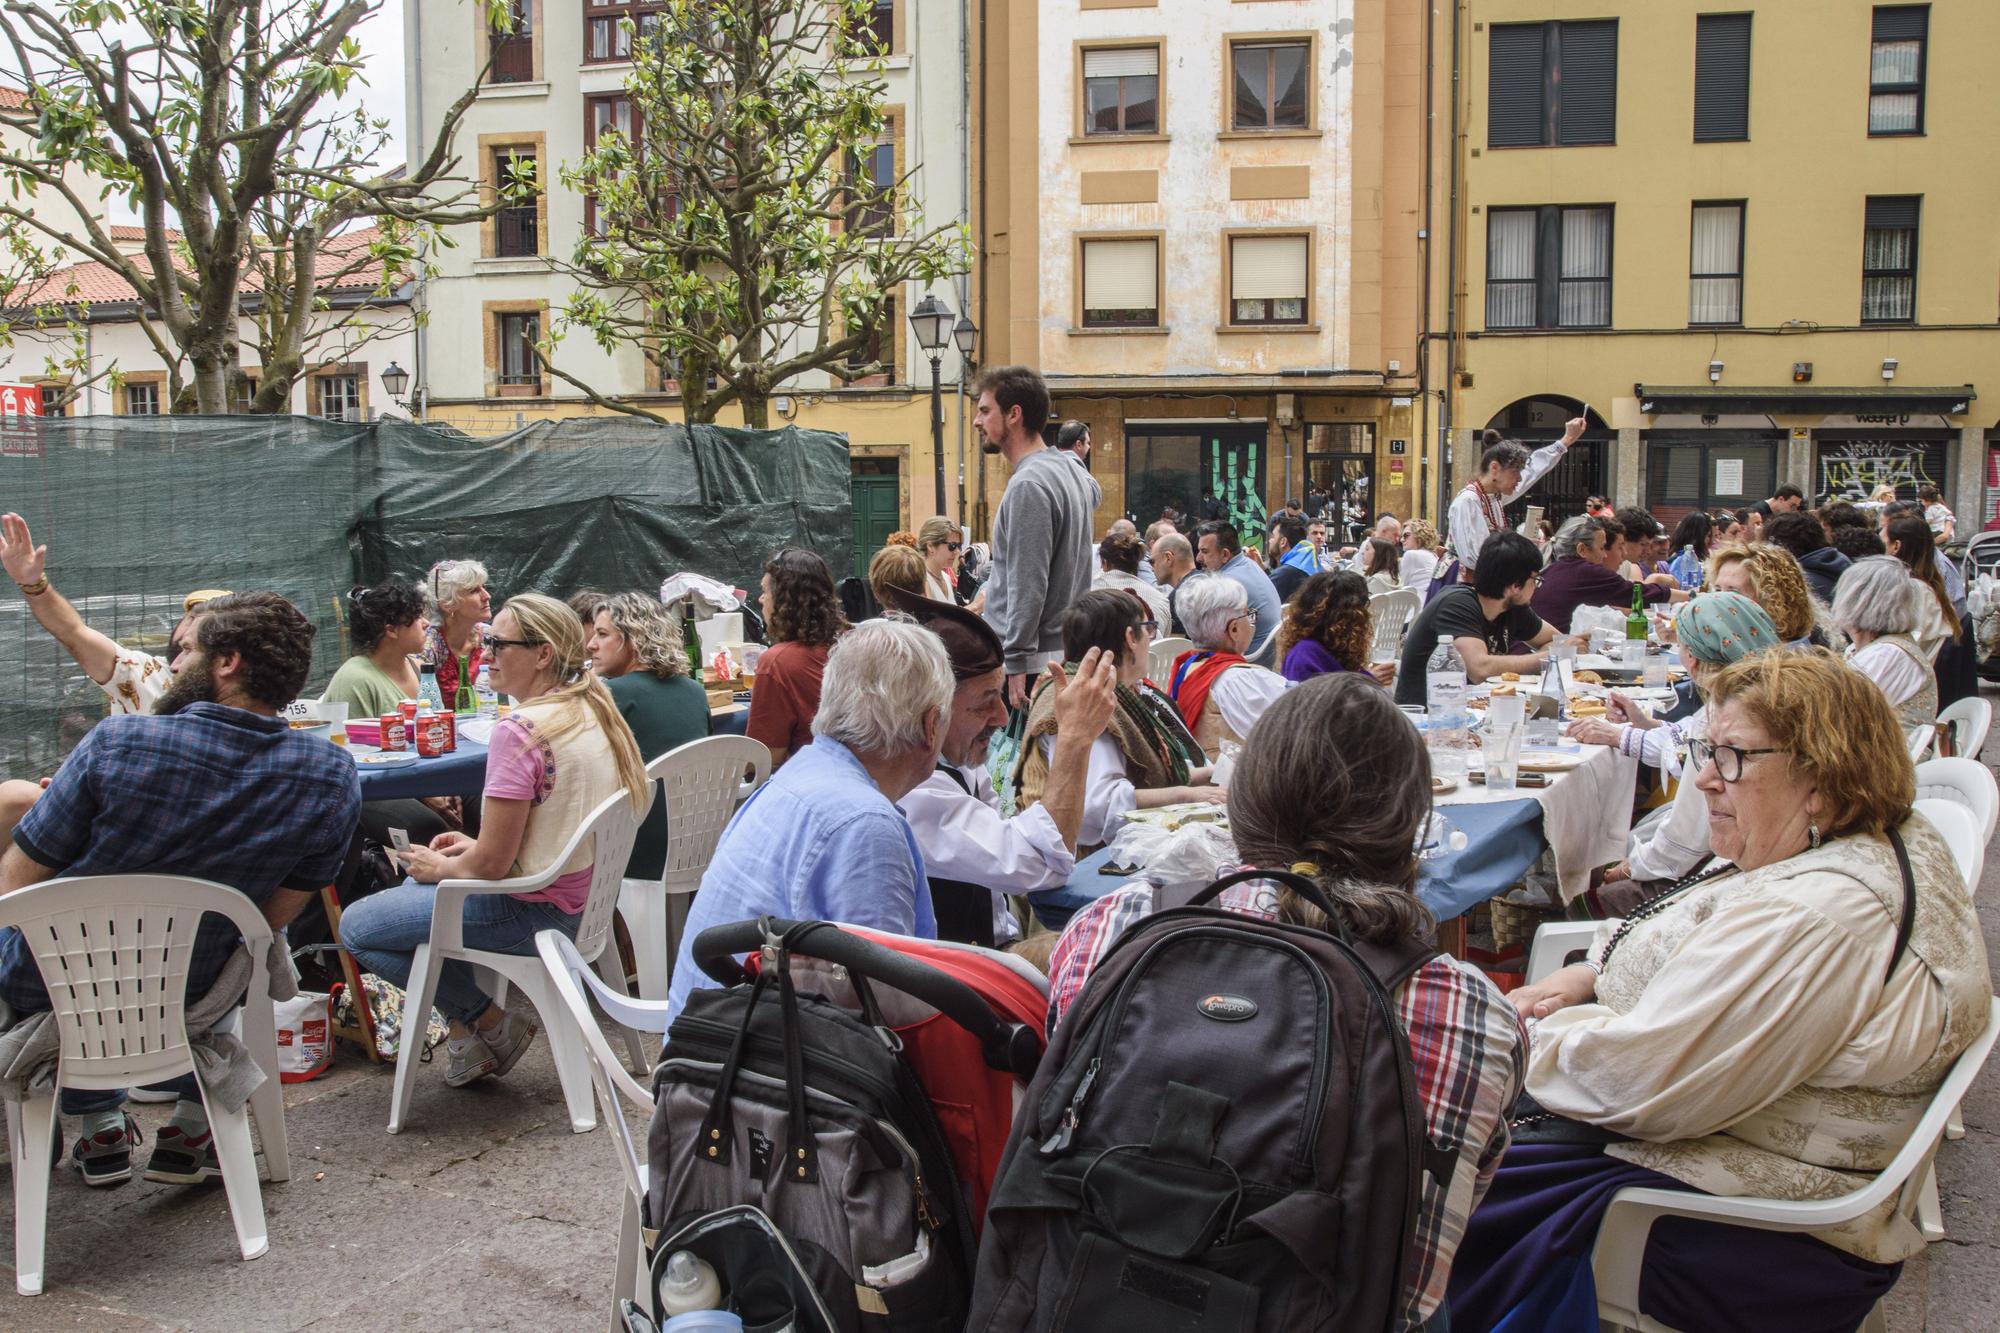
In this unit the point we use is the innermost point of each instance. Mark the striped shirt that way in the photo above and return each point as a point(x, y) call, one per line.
point(1466, 1043)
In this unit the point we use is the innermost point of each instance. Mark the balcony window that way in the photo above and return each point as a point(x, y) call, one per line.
point(513, 52)
point(520, 365)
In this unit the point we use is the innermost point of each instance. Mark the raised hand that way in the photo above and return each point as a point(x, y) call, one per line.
point(23, 559)
point(1084, 704)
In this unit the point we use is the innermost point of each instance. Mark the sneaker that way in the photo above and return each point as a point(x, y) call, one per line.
point(106, 1158)
point(467, 1060)
point(510, 1041)
point(182, 1159)
point(160, 1096)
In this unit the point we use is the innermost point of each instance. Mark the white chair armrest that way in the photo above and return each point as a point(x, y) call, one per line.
point(448, 910)
point(1553, 941)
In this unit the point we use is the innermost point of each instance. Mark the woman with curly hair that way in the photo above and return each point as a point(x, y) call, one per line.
point(387, 625)
point(635, 649)
point(1420, 554)
point(1769, 576)
point(802, 618)
point(1329, 628)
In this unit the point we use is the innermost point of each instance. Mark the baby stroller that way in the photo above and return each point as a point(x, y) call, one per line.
point(826, 1128)
point(1981, 567)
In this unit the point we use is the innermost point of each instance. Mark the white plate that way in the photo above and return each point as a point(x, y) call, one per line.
point(381, 760)
point(1548, 761)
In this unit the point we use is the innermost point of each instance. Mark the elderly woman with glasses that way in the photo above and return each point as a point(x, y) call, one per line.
point(460, 605)
point(1715, 629)
point(556, 757)
point(1146, 756)
point(1220, 694)
point(1774, 1027)
point(939, 541)
point(1876, 605)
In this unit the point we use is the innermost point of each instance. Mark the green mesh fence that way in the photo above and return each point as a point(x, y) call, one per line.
point(138, 512)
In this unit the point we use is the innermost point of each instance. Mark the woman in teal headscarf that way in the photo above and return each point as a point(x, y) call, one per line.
point(1714, 629)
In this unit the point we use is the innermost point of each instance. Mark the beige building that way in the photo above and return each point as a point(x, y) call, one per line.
point(1200, 223)
point(1758, 245)
point(550, 86)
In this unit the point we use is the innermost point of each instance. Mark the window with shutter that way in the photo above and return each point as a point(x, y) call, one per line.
point(1268, 279)
point(1896, 60)
point(1121, 283)
point(1721, 77)
point(1715, 265)
point(1121, 90)
point(1889, 260)
point(1552, 83)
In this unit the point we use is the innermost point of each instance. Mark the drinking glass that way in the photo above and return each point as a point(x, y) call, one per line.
point(1503, 757)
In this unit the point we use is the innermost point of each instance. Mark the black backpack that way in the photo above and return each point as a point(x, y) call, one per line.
point(1224, 1134)
point(794, 1149)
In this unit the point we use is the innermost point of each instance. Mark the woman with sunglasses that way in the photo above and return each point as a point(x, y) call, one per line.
point(1774, 1027)
point(939, 541)
point(555, 758)
point(802, 619)
point(1146, 756)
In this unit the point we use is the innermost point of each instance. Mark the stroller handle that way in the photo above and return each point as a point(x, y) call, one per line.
point(1009, 1047)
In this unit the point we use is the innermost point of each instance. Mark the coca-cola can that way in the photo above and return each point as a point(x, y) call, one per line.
point(450, 720)
point(430, 734)
point(393, 735)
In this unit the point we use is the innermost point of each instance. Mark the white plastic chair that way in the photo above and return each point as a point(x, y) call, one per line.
point(1966, 781)
point(569, 978)
point(1621, 1238)
point(706, 780)
point(113, 953)
point(610, 829)
point(1971, 718)
point(1920, 740)
point(1393, 611)
point(1556, 940)
point(1160, 658)
point(1959, 828)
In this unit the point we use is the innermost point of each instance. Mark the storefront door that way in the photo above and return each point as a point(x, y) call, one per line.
point(1200, 471)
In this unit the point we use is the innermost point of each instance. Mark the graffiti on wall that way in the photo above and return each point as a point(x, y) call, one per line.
point(1233, 481)
point(1855, 469)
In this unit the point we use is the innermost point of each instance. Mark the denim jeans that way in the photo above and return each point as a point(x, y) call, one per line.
point(383, 931)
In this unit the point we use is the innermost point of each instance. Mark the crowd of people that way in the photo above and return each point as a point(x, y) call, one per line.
point(1769, 1004)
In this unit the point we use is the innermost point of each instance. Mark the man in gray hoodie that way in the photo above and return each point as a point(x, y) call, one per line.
point(1041, 534)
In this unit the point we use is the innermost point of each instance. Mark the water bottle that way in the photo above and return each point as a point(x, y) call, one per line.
point(1449, 731)
point(489, 702)
point(428, 692)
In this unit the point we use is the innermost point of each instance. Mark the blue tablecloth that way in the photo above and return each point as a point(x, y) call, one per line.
point(730, 723)
point(1503, 839)
point(460, 773)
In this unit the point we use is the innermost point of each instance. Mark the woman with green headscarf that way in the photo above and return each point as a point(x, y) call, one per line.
point(1714, 629)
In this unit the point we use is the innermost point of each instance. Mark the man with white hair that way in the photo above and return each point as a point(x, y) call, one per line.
point(1220, 694)
point(975, 857)
point(823, 839)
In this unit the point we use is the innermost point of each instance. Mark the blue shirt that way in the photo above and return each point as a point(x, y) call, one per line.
point(818, 842)
point(212, 792)
point(1264, 603)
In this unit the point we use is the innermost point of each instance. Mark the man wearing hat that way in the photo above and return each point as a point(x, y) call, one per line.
point(131, 680)
point(972, 856)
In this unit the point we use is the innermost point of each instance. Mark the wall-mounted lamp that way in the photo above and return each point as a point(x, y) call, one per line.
point(1715, 372)
point(1802, 372)
point(1889, 364)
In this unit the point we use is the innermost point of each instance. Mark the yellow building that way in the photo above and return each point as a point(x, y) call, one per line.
point(1200, 223)
point(1760, 245)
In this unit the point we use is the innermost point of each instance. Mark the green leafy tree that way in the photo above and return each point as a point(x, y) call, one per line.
point(219, 122)
point(738, 232)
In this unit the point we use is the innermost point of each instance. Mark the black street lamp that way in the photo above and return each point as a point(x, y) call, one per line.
point(933, 325)
point(396, 380)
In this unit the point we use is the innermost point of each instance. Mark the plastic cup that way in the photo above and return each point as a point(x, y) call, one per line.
point(1503, 757)
point(337, 715)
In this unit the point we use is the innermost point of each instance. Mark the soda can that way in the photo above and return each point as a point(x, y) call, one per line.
point(408, 708)
point(450, 721)
point(393, 735)
point(430, 734)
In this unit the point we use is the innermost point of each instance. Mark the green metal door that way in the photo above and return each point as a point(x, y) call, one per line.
point(875, 516)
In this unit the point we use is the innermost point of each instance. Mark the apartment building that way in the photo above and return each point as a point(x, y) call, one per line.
point(1200, 222)
point(554, 83)
point(1754, 246)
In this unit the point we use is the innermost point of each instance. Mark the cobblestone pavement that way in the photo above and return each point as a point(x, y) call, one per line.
point(487, 1213)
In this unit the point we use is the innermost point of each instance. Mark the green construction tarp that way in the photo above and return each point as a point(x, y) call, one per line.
point(139, 511)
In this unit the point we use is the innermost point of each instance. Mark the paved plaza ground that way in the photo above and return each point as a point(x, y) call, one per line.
point(487, 1213)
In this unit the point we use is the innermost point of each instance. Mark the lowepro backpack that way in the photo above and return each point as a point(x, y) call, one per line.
point(1225, 1134)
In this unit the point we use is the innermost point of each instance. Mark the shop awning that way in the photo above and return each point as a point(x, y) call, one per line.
point(1802, 399)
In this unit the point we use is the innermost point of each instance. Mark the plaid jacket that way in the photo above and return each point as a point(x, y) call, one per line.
point(1466, 1042)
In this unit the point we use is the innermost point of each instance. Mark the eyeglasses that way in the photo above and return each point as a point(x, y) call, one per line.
point(491, 644)
point(954, 546)
point(1728, 758)
point(1149, 628)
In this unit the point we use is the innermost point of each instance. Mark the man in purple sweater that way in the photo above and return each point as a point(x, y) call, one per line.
point(1582, 571)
